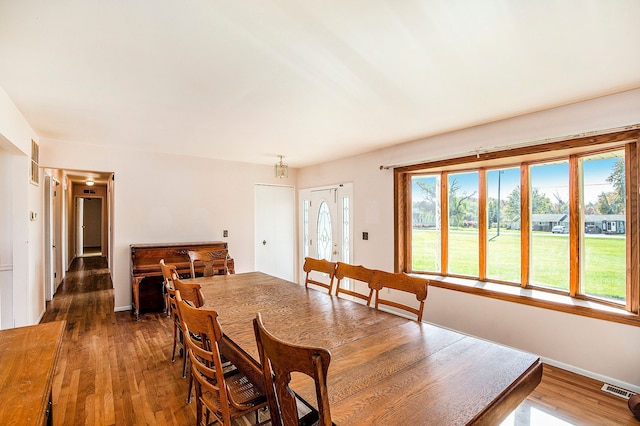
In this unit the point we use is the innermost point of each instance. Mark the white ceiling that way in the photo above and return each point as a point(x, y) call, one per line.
point(311, 80)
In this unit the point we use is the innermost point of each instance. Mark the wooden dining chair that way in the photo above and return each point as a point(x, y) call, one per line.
point(320, 266)
point(403, 283)
point(225, 393)
point(214, 261)
point(190, 292)
point(354, 275)
point(279, 359)
point(169, 273)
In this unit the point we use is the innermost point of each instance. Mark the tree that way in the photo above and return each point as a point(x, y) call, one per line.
point(512, 206)
point(460, 207)
point(540, 203)
point(492, 211)
point(617, 179)
point(606, 203)
point(428, 190)
point(429, 208)
point(560, 205)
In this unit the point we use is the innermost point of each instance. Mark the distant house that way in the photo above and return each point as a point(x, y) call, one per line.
point(593, 223)
point(605, 223)
point(546, 221)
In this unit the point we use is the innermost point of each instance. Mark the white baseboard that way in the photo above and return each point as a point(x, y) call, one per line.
point(123, 308)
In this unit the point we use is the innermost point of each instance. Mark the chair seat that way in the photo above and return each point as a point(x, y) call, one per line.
point(241, 391)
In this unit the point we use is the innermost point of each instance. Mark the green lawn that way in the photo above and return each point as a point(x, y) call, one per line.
point(604, 259)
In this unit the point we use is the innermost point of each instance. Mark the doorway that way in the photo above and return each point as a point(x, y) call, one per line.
point(326, 218)
point(89, 226)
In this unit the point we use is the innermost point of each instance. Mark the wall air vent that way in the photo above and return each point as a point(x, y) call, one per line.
point(89, 191)
point(617, 391)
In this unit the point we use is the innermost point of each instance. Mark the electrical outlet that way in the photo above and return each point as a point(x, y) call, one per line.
point(225, 233)
point(365, 235)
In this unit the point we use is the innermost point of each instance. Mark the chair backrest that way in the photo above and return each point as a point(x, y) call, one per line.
point(279, 359)
point(214, 261)
point(190, 292)
point(402, 282)
point(204, 353)
point(169, 273)
point(355, 274)
point(322, 266)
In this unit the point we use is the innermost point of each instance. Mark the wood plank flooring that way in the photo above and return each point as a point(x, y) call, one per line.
point(116, 371)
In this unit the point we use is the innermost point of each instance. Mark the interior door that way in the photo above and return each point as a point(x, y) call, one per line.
point(49, 239)
point(92, 224)
point(275, 230)
point(79, 226)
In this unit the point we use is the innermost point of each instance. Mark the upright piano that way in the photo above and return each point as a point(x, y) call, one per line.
point(146, 276)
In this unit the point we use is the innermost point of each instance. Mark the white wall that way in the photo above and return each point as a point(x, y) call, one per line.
point(26, 238)
point(599, 348)
point(167, 198)
point(6, 240)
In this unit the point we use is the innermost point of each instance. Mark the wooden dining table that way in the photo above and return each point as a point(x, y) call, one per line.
point(28, 359)
point(385, 369)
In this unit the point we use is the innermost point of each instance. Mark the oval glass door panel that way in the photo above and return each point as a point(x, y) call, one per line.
point(324, 239)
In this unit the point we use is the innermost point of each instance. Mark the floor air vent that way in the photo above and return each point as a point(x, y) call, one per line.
point(617, 391)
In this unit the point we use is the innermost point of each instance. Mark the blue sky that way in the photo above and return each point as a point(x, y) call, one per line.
point(549, 179)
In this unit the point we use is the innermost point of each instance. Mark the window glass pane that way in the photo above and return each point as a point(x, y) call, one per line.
point(324, 238)
point(603, 263)
point(549, 196)
point(346, 231)
point(503, 222)
point(463, 223)
point(425, 230)
point(305, 227)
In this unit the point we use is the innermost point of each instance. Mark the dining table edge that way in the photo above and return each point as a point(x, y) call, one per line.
point(511, 397)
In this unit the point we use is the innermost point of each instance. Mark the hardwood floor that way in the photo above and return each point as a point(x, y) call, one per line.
point(116, 371)
point(565, 398)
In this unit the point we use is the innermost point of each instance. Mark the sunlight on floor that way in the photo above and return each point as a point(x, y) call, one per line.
point(533, 417)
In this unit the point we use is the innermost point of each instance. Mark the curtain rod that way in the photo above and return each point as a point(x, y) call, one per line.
point(485, 150)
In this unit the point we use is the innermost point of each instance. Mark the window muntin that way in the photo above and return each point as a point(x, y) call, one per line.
point(603, 242)
point(503, 224)
point(549, 195)
point(463, 223)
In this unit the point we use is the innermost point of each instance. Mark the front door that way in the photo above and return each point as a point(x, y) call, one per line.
point(326, 222)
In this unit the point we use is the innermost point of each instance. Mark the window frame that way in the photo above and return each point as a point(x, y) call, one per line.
point(569, 149)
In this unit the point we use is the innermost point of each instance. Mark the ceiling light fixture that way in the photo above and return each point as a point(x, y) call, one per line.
point(90, 182)
point(282, 170)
